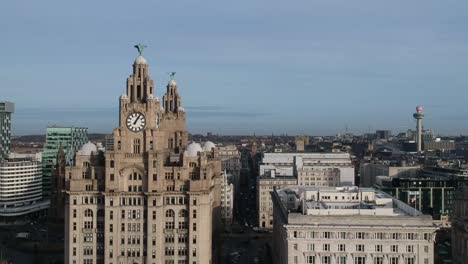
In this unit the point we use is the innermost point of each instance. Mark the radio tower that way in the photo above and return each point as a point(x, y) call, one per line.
point(419, 117)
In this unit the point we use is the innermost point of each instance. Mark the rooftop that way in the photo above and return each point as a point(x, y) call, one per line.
point(341, 201)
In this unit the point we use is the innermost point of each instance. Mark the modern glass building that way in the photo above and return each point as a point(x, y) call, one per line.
point(71, 139)
point(432, 192)
point(6, 109)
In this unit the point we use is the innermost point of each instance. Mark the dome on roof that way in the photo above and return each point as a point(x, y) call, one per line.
point(208, 146)
point(193, 149)
point(140, 60)
point(172, 83)
point(87, 149)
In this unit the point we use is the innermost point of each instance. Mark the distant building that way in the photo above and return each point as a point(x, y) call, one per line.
point(306, 169)
point(431, 192)
point(70, 139)
point(301, 142)
point(383, 134)
point(230, 162)
point(438, 145)
point(21, 188)
point(460, 227)
point(369, 171)
point(348, 225)
point(227, 200)
point(6, 109)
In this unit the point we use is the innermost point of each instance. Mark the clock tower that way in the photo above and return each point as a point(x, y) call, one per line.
point(156, 197)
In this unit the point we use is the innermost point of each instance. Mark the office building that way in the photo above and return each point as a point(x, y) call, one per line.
point(70, 139)
point(230, 162)
point(21, 188)
point(431, 191)
point(460, 227)
point(369, 171)
point(383, 134)
point(6, 109)
point(227, 199)
point(348, 225)
point(154, 198)
point(306, 169)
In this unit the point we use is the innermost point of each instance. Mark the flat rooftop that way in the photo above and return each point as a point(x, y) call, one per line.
point(312, 200)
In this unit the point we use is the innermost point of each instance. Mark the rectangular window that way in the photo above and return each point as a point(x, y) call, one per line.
point(360, 248)
point(112, 177)
point(378, 260)
point(342, 247)
point(393, 260)
point(326, 260)
point(410, 249)
point(359, 260)
point(360, 235)
point(378, 248)
point(310, 259)
point(394, 248)
point(342, 260)
point(410, 260)
point(326, 247)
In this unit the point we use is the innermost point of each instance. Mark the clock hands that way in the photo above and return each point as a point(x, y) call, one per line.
point(136, 120)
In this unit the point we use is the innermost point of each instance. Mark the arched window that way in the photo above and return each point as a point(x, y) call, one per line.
point(88, 213)
point(170, 213)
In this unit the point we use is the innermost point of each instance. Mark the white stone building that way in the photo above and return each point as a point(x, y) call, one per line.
point(341, 225)
point(21, 187)
point(227, 199)
point(306, 169)
point(230, 161)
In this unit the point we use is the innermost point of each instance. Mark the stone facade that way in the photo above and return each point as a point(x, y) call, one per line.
point(153, 198)
point(306, 169)
point(227, 200)
point(230, 162)
point(323, 225)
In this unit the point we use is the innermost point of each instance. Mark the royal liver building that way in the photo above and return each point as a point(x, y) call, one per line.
point(154, 198)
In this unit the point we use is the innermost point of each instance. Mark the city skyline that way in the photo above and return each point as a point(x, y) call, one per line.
point(308, 68)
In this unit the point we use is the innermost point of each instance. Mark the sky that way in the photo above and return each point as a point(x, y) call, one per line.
point(284, 67)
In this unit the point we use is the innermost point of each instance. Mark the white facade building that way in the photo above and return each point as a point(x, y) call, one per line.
point(329, 225)
point(230, 161)
point(227, 199)
point(20, 187)
point(305, 169)
point(311, 169)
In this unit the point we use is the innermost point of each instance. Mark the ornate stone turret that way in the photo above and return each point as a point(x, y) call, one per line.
point(171, 99)
point(140, 86)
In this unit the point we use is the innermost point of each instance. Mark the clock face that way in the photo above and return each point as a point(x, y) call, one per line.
point(136, 122)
